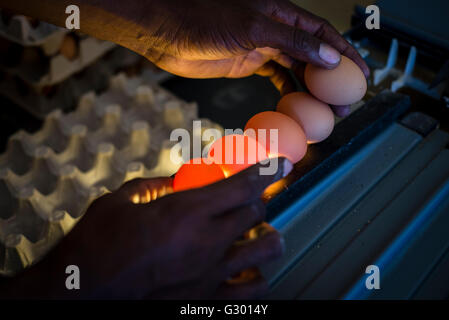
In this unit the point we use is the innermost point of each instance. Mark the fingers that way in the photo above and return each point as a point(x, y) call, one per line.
point(236, 191)
point(209, 287)
point(297, 43)
point(252, 253)
point(232, 225)
point(242, 188)
point(141, 191)
point(279, 76)
point(254, 289)
point(329, 34)
point(297, 17)
point(298, 69)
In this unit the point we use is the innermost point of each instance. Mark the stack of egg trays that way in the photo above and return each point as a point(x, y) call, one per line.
point(39, 68)
point(28, 31)
point(64, 95)
point(40, 61)
point(39, 75)
point(48, 179)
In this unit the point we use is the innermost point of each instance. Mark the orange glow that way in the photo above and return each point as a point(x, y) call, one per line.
point(248, 275)
point(274, 189)
point(236, 152)
point(259, 231)
point(146, 195)
point(195, 175)
point(245, 276)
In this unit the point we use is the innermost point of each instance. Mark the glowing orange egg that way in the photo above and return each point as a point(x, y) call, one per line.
point(279, 134)
point(195, 174)
point(236, 152)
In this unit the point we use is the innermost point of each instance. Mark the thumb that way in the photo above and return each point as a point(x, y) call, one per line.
point(298, 44)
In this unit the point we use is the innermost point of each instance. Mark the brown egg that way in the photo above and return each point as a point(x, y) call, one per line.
point(314, 116)
point(69, 47)
point(291, 141)
point(344, 85)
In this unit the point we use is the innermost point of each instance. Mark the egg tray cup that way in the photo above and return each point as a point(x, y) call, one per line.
point(48, 179)
point(64, 95)
point(20, 30)
point(39, 70)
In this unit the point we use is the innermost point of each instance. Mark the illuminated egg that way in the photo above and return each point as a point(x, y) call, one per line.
point(236, 152)
point(290, 140)
point(344, 85)
point(315, 117)
point(195, 175)
point(69, 47)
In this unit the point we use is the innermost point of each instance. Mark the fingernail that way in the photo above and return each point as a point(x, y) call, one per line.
point(288, 167)
point(329, 54)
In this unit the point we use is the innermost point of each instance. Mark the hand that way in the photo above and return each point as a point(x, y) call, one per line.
point(210, 38)
point(181, 245)
point(234, 39)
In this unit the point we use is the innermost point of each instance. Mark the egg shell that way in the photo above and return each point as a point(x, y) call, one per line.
point(195, 174)
point(314, 116)
point(236, 152)
point(291, 142)
point(344, 85)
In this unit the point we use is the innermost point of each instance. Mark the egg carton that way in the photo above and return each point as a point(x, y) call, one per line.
point(41, 101)
point(48, 179)
point(30, 32)
point(73, 53)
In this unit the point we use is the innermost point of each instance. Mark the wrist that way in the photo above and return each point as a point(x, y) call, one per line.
point(133, 26)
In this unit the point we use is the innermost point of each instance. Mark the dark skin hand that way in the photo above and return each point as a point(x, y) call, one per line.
point(154, 254)
point(182, 245)
point(210, 38)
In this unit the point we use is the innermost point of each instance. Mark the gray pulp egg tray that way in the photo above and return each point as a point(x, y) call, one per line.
point(19, 29)
point(64, 95)
point(48, 179)
point(41, 61)
point(39, 70)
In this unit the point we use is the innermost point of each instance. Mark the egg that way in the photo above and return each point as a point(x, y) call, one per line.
point(291, 140)
point(314, 116)
point(195, 174)
point(344, 85)
point(236, 152)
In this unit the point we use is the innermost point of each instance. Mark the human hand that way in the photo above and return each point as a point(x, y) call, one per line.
point(210, 38)
point(182, 245)
point(234, 38)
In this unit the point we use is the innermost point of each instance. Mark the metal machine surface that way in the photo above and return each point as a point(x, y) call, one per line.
point(379, 195)
point(381, 199)
point(377, 191)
